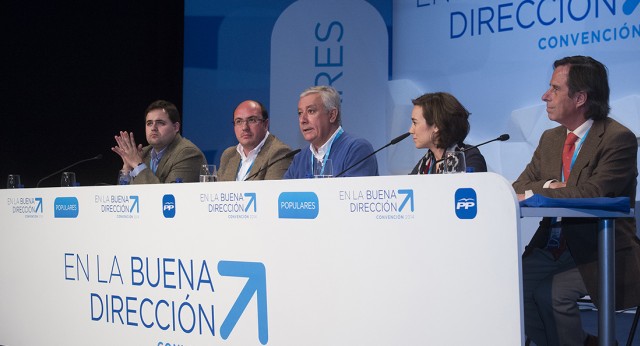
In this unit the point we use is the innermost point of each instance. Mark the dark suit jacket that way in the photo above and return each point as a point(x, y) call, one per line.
point(181, 160)
point(605, 167)
point(272, 150)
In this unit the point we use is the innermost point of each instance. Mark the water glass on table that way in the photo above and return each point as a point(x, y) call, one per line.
point(13, 181)
point(68, 179)
point(208, 173)
point(322, 169)
point(123, 177)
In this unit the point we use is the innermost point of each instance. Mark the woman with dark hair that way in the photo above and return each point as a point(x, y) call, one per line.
point(440, 123)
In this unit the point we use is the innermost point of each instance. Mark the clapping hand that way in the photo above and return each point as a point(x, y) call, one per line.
point(130, 153)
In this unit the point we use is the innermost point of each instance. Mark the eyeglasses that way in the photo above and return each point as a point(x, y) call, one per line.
point(250, 121)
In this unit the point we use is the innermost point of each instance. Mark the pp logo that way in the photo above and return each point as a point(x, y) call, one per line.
point(466, 203)
point(168, 206)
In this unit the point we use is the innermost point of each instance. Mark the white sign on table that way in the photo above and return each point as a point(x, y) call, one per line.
point(395, 260)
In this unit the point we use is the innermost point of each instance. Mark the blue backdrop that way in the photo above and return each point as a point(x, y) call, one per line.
point(494, 56)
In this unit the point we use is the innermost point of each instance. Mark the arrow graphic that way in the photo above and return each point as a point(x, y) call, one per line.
point(257, 283)
point(135, 204)
point(409, 194)
point(252, 200)
point(630, 6)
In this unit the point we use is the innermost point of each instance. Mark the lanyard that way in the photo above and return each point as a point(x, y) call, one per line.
point(326, 155)
point(248, 170)
point(575, 153)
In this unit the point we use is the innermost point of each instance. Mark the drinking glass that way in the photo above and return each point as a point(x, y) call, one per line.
point(208, 173)
point(322, 169)
point(454, 162)
point(13, 181)
point(123, 177)
point(68, 179)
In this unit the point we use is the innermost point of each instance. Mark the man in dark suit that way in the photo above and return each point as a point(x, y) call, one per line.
point(168, 157)
point(560, 263)
point(256, 148)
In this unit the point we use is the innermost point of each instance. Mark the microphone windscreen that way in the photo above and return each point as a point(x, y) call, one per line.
point(291, 153)
point(399, 138)
point(504, 137)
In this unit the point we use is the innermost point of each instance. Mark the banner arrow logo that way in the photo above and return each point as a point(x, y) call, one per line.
point(252, 200)
point(257, 283)
point(135, 204)
point(630, 6)
point(39, 205)
point(408, 198)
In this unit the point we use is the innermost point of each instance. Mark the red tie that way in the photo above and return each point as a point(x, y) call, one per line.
point(567, 154)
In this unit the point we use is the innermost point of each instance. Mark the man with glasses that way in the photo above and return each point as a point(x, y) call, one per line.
point(168, 158)
point(257, 149)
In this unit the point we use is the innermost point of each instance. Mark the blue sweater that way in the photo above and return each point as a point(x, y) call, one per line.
point(345, 151)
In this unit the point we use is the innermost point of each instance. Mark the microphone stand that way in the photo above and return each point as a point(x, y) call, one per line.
point(97, 157)
point(502, 138)
point(288, 155)
point(393, 141)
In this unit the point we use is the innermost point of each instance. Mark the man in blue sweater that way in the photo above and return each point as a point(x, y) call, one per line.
point(319, 118)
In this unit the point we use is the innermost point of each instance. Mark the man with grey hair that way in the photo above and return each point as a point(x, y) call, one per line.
point(319, 118)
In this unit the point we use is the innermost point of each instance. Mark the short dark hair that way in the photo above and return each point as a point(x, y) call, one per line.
point(590, 76)
point(168, 107)
point(448, 114)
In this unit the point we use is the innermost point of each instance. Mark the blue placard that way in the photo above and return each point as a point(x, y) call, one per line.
point(66, 207)
point(466, 203)
point(168, 206)
point(298, 205)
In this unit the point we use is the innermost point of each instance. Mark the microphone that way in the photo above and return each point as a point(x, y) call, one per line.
point(97, 157)
point(397, 140)
point(288, 155)
point(502, 138)
point(393, 141)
